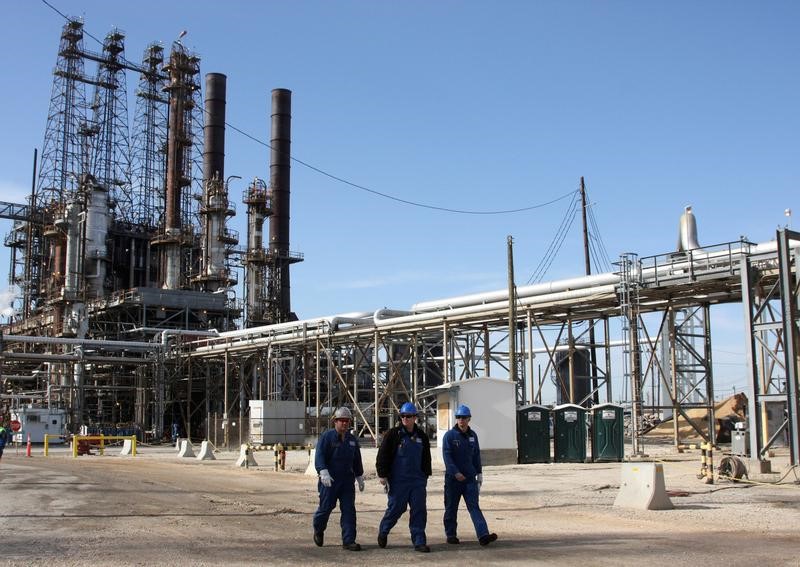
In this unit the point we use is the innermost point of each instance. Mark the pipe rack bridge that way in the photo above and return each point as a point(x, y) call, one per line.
point(703, 276)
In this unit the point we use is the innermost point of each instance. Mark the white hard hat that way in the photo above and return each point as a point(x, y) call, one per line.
point(343, 413)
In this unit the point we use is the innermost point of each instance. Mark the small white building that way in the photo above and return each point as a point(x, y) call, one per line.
point(492, 403)
point(39, 421)
point(277, 421)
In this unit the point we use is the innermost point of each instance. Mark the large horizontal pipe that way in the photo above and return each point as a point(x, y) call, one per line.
point(129, 345)
point(487, 308)
point(74, 358)
point(253, 332)
point(697, 256)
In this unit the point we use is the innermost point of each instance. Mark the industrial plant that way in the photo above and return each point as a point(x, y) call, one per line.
point(141, 310)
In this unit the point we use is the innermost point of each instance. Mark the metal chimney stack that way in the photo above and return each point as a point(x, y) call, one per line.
point(214, 130)
point(279, 174)
point(214, 273)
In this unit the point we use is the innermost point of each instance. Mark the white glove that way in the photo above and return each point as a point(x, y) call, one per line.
point(360, 481)
point(385, 483)
point(325, 478)
point(479, 478)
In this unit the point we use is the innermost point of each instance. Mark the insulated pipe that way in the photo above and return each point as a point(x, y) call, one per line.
point(499, 305)
point(214, 129)
point(502, 294)
point(382, 314)
point(291, 331)
point(74, 358)
point(588, 281)
point(254, 332)
point(84, 342)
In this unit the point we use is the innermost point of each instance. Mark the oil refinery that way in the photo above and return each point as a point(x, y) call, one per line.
point(129, 319)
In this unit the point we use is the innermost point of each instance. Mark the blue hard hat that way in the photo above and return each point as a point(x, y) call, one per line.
point(463, 411)
point(408, 409)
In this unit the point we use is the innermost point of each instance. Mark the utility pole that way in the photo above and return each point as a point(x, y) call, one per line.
point(588, 267)
point(512, 314)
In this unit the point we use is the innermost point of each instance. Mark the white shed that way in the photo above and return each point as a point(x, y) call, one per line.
point(39, 421)
point(277, 421)
point(492, 403)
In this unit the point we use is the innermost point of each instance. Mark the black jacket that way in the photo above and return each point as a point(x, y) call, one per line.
point(388, 450)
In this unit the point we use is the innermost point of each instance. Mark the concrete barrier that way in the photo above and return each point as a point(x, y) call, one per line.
point(311, 470)
point(186, 449)
point(127, 447)
point(642, 486)
point(178, 442)
point(246, 458)
point(206, 452)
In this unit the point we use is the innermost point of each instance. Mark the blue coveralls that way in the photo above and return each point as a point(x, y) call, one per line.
point(407, 486)
point(5, 437)
point(462, 453)
point(342, 458)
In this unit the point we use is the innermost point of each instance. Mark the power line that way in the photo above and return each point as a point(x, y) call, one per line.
point(398, 199)
point(557, 241)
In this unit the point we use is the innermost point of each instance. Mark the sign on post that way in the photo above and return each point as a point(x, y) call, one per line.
point(15, 425)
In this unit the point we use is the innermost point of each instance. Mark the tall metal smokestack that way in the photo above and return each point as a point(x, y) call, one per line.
point(214, 130)
point(279, 170)
point(214, 273)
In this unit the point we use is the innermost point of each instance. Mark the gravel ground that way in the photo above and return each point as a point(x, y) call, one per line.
point(157, 509)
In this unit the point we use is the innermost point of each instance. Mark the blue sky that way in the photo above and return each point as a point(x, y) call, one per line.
point(469, 105)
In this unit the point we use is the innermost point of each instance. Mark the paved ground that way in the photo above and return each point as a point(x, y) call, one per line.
point(157, 509)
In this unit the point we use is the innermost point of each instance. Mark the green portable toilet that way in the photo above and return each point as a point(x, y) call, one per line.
point(569, 433)
point(533, 434)
point(607, 433)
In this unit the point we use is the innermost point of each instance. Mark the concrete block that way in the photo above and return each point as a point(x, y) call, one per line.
point(186, 449)
point(246, 458)
point(127, 447)
point(642, 486)
point(206, 452)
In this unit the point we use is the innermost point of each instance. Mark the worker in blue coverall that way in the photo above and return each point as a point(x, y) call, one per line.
point(463, 477)
point(338, 462)
point(5, 437)
point(404, 465)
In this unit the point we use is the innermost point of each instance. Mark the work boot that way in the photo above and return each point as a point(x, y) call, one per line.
point(318, 538)
point(422, 548)
point(382, 539)
point(487, 539)
point(351, 546)
point(453, 539)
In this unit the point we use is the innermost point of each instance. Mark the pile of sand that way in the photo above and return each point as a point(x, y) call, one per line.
point(726, 412)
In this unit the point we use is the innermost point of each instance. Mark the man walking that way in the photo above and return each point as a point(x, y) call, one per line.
point(463, 477)
point(404, 465)
point(338, 462)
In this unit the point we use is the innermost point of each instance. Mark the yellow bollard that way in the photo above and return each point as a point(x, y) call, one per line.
point(133, 445)
point(45, 443)
point(75, 446)
point(102, 444)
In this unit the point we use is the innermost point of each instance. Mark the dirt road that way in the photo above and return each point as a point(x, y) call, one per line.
point(156, 509)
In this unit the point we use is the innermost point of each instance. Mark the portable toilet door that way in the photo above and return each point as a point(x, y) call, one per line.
point(569, 425)
point(533, 434)
point(608, 442)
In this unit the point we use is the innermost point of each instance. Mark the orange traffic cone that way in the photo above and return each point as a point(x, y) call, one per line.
point(28, 450)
